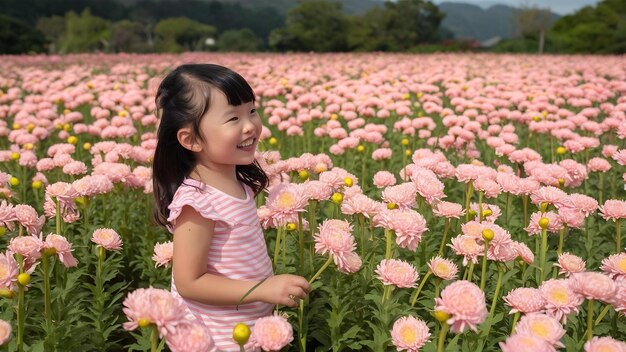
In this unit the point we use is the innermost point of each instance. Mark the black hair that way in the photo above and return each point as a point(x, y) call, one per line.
point(182, 99)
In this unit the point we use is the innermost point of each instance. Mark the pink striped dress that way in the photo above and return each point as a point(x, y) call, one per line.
point(238, 251)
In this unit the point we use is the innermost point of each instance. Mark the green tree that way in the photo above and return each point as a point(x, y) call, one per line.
point(16, 37)
point(182, 34)
point(315, 25)
point(53, 28)
point(85, 33)
point(600, 29)
point(238, 40)
point(129, 36)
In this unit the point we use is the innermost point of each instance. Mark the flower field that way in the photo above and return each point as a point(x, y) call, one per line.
point(435, 202)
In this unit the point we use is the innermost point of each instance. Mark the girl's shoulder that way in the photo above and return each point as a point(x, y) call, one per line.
point(208, 201)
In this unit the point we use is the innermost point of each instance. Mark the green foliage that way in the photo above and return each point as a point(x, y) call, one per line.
point(17, 37)
point(85, 32)
point(182, 34)
point(128, 36)
point(594, 30)
point(317, 25)
point(238, 40)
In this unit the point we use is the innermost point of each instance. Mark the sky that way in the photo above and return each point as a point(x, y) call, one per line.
point(562, 7)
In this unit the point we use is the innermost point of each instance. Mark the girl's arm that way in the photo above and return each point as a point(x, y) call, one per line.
point(192, 238)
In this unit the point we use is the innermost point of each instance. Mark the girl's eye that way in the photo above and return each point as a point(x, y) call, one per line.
point(233, 119)
point(252, 111)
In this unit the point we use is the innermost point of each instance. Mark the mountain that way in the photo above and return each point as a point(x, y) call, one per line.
point(471, 21)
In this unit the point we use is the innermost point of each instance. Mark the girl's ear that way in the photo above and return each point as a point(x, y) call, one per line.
point(187, 139)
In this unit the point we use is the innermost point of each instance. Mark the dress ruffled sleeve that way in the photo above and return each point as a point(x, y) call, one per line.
point(199, 201)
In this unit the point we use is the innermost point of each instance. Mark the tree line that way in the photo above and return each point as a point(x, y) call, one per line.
point(69, 26)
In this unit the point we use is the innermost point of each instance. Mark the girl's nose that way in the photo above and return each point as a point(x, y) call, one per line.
point(248, 126)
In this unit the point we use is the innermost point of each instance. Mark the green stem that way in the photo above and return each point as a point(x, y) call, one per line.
point(58, 216)
point(301, 244)
point(419, 288)
point(277, 246)
point(483, 273)
point(480, 206)
point(319, 272)
point(600, 187)
point(602, 314)
point(20, 308)
point(589, 319)
point(301, 331)
point(442, 337)
point(468, 196)
point(544, 249)
point(495, 295)
point(445, 235)
point(46, 291)
point(471, 272)
point(154, 338)
point(515, 319)
point(361, 218)
point(561, 235)
point(388, 240)
point(618, 235)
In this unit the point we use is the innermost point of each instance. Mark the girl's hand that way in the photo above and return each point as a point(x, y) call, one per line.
point(284, 289)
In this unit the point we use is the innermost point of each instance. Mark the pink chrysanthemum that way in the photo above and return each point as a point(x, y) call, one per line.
point(286, 199)
point(348, 263)
point(583, 203)
point(619, 300)
point(163, 254)
point(615, 265)
point(402, 195)
point(465, 302)
point(569, 264)
point(27, 217)
point(407, 224)
point(613, 209)
point(561, 300)
point(8, 270)
point(525, 343)
point(524, 252)
point(27, 246)
point(495, 211)
point(397, 272)
point(272, 333)
point(428, 185)
point(550, 195)
point(153, 306)
point(605, 344)
point(335, 237)
point(468, 247)
point(62, 248)
point(525, 300)
point(317, 190)
point(409, 333)
point(592, 285)
point(443, 268)
point(554, 223)
point(542, 326)
point(490, 188)
point(189, 337)
point(448, 210)
point(359, 204)
point(384, 179)
point(107, 239)
point(7, 215)
point(5, 332)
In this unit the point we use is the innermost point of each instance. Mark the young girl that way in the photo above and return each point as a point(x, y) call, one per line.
point(205, 179)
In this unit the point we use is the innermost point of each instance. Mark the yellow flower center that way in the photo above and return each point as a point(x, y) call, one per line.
point(285, 200)
point(621, 264)
point(408, 335)
point(442, 269)
point(540, 329)
point(559, 296)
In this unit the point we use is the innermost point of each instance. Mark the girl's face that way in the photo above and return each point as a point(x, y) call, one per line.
point(230, 133)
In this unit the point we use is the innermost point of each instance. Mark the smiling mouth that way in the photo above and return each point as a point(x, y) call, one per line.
point(247, 143)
